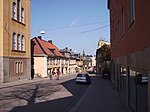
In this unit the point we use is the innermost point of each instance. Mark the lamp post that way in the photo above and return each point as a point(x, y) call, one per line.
point(42, 33)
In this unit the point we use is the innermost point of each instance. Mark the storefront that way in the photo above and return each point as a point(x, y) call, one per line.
point(132, 86)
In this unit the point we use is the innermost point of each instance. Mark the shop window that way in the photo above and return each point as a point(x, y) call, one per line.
point(133, 89)
point(123, 83)
point(138, 93)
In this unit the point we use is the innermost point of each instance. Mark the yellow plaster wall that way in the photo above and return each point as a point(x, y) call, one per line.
point(13, 26)
point(39, 65)
point(1, 28)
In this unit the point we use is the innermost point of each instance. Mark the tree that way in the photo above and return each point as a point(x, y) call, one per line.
point(103, 58)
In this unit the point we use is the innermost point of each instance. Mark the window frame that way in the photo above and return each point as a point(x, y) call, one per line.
point(18, 42)
point(131, 17)
point(18, 68)
point(122, 22)
point(22, 15)
point(14, 10)
point(14, 43)
point(22, 43)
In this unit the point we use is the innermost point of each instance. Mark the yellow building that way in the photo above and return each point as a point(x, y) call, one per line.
point(14, 40)
point(102, 42)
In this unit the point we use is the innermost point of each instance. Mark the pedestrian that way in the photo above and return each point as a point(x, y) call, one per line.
point(50, 75)
point(53, 73)
point(58, 74)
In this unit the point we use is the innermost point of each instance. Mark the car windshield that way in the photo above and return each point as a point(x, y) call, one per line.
point(81, 75)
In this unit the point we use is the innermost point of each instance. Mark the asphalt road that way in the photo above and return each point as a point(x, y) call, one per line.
point(42, 96)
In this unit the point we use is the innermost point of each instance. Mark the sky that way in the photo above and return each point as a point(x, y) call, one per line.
point(76, 24)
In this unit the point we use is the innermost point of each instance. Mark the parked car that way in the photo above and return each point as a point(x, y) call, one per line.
point(83, 78)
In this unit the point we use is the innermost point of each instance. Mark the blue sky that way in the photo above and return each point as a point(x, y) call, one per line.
point(65, 22)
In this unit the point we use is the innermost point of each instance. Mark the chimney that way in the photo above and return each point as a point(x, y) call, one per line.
point(40, 37)
point(50, 41)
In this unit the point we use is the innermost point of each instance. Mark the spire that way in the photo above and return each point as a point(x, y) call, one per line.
point(83, 54)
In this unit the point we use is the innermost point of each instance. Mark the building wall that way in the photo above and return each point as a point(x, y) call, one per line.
point(131, 50)
point(40, 66)
point(15, 26)
point(72, 66)
point(1, 27)
point(136, 36)
point(7, 54)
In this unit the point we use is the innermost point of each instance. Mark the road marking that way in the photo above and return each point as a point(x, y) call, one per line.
point(77, 105)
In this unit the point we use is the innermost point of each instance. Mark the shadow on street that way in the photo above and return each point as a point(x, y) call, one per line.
point(38, 97)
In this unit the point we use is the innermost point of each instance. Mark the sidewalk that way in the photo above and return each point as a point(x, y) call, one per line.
point(20, 82)
point(25, 81)
point(100, 97)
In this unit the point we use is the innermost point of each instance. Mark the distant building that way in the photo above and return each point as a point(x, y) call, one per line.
point(89, 61)
point(130, 51)
point(72, 60)
point(102, 42)
point(15, 63)
point(79, 62)
point(47, 58)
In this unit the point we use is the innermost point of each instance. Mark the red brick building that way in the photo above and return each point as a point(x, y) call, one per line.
point(130, 51)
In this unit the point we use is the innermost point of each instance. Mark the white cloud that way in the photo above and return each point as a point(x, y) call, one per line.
point(74, 21)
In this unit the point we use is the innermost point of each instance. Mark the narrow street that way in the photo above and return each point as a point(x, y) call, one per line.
point(61, 95)
point(47, 95)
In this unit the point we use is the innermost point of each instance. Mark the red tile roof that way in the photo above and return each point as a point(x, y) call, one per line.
point(45, 47)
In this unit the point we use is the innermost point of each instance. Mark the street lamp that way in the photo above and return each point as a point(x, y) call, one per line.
point(42, 33)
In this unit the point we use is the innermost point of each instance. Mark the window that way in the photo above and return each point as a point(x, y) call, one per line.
point(122, 24)
point(131, 11)
point(22, 15)
point(18, 67)
point(22, 43)
point(14, 11)
point(118, 30)
point(14, 44)
point(18, 42)
point(18, 10)
point(21, 67)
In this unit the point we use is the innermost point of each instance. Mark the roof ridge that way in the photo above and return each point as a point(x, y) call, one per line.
point(40, 45)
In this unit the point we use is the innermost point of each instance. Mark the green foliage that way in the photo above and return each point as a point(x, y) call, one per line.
point(104, 57)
